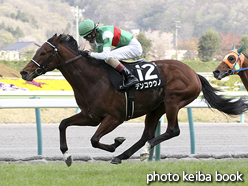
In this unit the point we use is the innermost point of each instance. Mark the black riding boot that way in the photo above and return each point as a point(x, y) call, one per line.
point(130, 79)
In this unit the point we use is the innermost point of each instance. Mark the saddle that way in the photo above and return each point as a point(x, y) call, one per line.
point(147, 74)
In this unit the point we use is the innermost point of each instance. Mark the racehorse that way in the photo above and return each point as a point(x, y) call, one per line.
point(101, 104)
point(235, 62)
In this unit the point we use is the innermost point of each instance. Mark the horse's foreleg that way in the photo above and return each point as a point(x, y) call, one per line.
point(151, 122)
point(107, 125)
point(77, 119)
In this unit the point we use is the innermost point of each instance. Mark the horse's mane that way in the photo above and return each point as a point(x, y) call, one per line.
point(68, 41)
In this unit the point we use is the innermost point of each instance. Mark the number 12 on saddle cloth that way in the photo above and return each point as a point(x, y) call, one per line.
point(148, 75)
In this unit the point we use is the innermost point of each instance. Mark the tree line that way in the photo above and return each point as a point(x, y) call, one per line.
point(155, 19)
point(211, 46)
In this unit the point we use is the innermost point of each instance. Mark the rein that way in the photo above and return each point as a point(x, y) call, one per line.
point(64, 63)
point(42, 68)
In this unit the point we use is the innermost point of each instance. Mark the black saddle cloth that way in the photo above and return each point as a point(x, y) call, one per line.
point(146, 72)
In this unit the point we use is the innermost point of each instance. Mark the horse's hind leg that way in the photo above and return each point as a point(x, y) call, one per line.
point(151, 122)
point(107, 125)
point(172, 128)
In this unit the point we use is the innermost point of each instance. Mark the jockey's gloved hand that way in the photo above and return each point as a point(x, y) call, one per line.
point(84, 53)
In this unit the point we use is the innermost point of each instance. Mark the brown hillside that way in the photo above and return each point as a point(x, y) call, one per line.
point(6, 72)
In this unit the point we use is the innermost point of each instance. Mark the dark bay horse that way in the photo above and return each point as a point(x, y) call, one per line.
point(235, 62)
point(101, 104)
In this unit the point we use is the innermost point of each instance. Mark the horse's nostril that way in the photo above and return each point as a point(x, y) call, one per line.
point(23, 73)
point(216, 72)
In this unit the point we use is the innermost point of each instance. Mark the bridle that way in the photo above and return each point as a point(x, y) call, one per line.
point(42, 68)
point(237, 66)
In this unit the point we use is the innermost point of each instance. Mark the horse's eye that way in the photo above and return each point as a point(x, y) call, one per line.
point(42, 53)
point(231, 58)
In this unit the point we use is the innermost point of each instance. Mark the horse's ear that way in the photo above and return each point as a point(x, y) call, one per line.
point(57, 39)
point(240, 49)
point(55, 35)
point(233, 47)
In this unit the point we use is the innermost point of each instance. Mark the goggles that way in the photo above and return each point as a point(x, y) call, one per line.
point(89, 36)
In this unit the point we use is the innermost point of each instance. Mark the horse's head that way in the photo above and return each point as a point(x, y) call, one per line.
point(48, 56)
point(231, 64)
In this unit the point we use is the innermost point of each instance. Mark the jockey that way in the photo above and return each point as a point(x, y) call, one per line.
point(126, 47)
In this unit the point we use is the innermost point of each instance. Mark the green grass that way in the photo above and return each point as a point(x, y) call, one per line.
point(199, 66)
point(125, 174)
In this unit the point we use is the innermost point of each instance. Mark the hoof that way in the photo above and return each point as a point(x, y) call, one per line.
point(67, 158)
point(116, 160)
point(68, 161)
point(145, 152)
point(144, 156)
point(120, 139)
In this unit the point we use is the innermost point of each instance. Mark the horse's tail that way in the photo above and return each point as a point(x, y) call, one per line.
point(226, 105)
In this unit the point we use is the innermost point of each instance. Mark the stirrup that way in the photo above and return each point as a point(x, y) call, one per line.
point(125, 86)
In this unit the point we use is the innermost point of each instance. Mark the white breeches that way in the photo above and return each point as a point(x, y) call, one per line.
point(132, 50)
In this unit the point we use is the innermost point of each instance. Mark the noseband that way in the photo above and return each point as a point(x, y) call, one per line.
point(42, 68)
